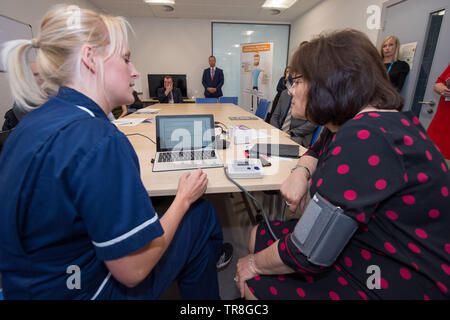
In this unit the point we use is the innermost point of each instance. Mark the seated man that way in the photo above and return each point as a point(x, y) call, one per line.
point(301, 131)
point(169, 94)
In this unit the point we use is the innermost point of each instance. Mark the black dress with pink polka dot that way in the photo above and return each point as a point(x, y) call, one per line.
point(384, 171)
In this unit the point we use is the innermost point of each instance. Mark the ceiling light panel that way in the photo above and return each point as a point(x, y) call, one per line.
point(279, 4)
point(167, 2)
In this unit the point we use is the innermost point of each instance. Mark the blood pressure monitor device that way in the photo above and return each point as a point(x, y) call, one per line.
point(245, 168)
point(323, 231)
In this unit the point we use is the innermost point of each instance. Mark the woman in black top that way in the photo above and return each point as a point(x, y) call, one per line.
point(375, 163)
point(397, 69)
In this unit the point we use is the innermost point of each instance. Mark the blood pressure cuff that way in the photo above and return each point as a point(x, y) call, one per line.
point(323, 231)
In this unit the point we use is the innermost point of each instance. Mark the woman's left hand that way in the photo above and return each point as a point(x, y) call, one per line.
point(245, 270)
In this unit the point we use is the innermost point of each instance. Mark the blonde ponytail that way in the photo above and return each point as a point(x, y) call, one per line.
point(26, 92)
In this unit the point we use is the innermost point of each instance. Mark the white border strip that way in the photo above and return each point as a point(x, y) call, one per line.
point(126, 235)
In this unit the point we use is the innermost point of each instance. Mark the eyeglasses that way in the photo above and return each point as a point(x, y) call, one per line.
point(291, 83)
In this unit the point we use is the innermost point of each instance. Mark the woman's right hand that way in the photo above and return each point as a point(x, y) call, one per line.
point(294, 189)
point(192, 186)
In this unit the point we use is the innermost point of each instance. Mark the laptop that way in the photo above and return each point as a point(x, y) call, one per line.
point(185, 142)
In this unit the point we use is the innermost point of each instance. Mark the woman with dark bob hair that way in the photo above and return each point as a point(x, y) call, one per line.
point(377, 224)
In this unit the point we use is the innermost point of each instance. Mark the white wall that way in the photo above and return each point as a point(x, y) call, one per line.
point(30, 12)
point(174, 46)
point(332, 15)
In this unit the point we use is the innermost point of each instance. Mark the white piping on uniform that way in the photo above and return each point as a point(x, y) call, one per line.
point(87, 110)
point(101, 286)
point(126, 235)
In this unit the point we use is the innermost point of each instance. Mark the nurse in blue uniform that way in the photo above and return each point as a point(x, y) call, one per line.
point(76, 221)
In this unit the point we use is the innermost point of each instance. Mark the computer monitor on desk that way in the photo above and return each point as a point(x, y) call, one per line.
point(156, 81)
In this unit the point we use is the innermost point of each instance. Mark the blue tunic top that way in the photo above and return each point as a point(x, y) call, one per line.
point(71, 197)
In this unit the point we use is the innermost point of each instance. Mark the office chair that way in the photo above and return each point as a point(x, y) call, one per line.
point(263, 107)
point(206, 100)
point(316, 135)
point(229, 100)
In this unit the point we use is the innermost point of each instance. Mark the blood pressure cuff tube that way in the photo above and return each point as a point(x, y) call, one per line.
point(323, 231)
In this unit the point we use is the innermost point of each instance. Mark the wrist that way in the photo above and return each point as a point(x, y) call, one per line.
point(182, 203)
point(305, 170)
point(252, 262)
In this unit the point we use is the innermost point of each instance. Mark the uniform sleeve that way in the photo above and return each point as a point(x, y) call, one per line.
point(359, 170)
point(112, 200)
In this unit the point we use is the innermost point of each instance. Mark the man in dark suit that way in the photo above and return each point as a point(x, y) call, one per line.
point(301, 131)
point(213, 80)
point(169, 94)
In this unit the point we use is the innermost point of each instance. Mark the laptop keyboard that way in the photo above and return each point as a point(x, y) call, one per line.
point(187, 155)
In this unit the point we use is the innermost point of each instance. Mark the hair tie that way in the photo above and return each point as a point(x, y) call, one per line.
point(35, 43)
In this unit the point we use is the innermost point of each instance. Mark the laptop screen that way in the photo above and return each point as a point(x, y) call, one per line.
point(184, 132)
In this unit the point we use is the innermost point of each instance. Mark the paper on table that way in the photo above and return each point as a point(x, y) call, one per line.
point(246, 136)
point(129, 122)
point(251, 133)
point(147, 111)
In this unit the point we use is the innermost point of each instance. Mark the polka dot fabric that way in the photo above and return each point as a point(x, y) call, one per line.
point(316, 283)
point(384, 171)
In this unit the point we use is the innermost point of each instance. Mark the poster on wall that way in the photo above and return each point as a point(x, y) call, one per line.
point(256, 73)
point(407, 52)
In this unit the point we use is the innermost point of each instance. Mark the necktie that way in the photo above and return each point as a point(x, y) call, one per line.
point(212, 73)
point(287, 122)
point(170, 97)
